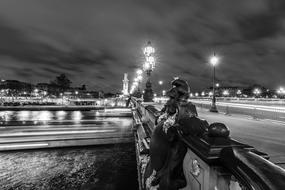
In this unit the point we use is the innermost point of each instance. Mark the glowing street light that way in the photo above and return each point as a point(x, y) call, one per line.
point(148, 67)
point(163, 92)
point(160, 82)
point(238, 92)
point(139, 72)
point(226, 93)
point(281, 91)
point(256, 91)
point(148, 50)
point(139, 78)
point(214, 60)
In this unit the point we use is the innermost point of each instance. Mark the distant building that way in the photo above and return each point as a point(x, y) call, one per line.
point(14, 87)
point(43, 86)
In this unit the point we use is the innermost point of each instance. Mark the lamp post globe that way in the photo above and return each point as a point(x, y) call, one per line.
point(139, 72)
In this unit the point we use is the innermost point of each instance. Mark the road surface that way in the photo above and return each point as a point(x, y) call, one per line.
point(265, 135)
point(254, 110)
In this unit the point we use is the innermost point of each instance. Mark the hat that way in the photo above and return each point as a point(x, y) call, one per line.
point(181, 85)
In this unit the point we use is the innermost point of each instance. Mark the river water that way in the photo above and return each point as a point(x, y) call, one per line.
point(85, 167)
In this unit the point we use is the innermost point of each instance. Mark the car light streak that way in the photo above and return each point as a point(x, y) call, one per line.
point(248, 106)
point(24, 145)
point(55, 133)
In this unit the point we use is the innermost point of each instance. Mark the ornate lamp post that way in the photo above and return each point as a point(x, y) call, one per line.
point(214, 61)
point(139, 79)
point(148, 67)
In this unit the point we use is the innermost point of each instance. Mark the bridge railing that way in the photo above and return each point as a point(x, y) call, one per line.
point(213, 161)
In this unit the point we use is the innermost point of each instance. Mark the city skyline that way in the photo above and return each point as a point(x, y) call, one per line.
point(95, 43)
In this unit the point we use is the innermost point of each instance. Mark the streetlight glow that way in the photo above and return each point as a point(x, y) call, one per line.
point(146, 65)
point(214, 60)
point(281, 90)
point(160, 82)
point(226, 93)
point(148, 50)
point(139, 78)
point(257, 91)
point(139, 72)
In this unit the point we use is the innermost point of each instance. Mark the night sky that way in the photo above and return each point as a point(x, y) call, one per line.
point(94, 42)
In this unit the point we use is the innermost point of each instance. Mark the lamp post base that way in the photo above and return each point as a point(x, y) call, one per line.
point(148, 95)
point(214, 108)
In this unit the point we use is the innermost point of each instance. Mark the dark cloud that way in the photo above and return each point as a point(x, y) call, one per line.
point(254, 27)
point(95, 42)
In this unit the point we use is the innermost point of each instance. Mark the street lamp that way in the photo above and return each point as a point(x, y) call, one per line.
point(160, 82)
point(139, 72)
point(256, 91)
point(226, 93)
point(281, 92)
point(214, 60)
point(238, 92)
point(148, 67)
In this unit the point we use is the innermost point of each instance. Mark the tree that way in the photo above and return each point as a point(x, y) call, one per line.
point(62, 81)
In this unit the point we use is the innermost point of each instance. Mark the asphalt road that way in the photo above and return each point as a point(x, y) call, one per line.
point(265, 135)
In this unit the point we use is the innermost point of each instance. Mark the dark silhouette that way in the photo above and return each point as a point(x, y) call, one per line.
point(62, 81)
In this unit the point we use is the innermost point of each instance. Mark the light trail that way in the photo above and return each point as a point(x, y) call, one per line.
point(54, 133)
point(247, 106)
point(24, 145)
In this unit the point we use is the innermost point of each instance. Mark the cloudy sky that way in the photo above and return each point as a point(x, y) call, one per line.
point(94, 42)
